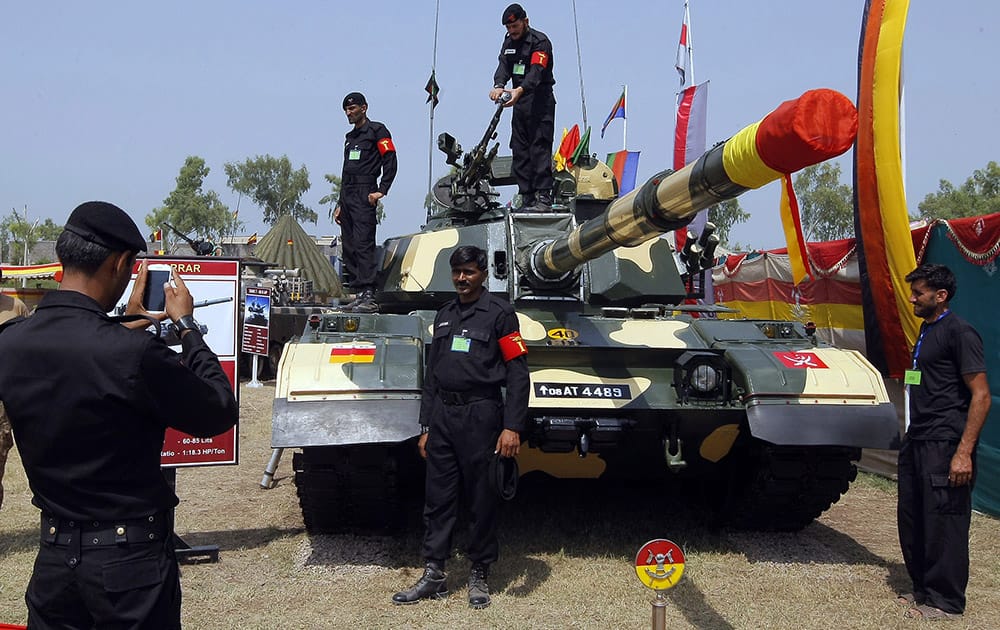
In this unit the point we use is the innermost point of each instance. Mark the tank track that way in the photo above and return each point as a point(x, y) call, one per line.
point(788, 486)
point(359, 488)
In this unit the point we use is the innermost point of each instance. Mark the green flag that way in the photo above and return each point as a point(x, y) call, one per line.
point(582, 149)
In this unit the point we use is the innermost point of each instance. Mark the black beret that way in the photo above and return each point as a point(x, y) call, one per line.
point(107, 225)
point(512, 13)
point(354, 98)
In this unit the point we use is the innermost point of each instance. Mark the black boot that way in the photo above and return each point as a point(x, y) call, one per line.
point(366, 303)
point(543, 202)
point(432, 584)
point(479, 590)
point(527, 202)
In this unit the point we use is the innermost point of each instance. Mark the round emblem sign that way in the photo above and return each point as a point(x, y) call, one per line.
point(659, 564)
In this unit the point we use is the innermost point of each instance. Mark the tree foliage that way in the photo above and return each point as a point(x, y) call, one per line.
point(193, 211)
point(16, 230)
point(979, 195)
point(826, 205)
point(273, 185)
point(725, 215)
point(332, 198)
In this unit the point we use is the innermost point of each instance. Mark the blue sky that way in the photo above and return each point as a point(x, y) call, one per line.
point(105, 100)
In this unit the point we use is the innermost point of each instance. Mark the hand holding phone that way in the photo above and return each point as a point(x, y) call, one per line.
point(154, 299)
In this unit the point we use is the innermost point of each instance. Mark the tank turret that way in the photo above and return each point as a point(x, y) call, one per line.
point(760, 416)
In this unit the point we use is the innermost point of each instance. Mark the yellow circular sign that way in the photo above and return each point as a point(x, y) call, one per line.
point(563, 333)
point(659, 564)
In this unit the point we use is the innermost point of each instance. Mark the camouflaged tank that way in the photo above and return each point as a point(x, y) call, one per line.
point(626, 382)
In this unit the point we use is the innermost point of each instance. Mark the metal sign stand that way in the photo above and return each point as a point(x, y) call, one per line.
point(253, 370)
point(186, 554)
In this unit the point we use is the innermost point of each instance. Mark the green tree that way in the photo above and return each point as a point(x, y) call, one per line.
point(272, 184)
point(192, 210)
point(979, 195)
point(333, 198)
point(826, 205)
point(16, 232)
point(725, 215)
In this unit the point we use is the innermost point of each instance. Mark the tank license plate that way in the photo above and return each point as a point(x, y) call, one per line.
point(583, 390)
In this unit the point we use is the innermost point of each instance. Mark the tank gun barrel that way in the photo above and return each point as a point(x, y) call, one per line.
point(819, 125)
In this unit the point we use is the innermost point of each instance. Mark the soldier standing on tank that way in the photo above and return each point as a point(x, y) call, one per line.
point(526, 61)
point(477, 349)
point(368, 152)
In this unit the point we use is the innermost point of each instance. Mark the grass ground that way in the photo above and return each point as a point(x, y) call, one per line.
point(567, 555)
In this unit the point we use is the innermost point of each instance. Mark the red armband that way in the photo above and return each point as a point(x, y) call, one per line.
point(539, 58)
point(512, 346)
point(385, 145)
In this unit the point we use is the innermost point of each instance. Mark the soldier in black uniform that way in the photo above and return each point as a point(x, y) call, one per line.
point(477, 349)
point(89, 402)
point(526, 61)
point(368, 151)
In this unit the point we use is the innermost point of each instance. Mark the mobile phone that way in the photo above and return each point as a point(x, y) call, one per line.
point(153, 298)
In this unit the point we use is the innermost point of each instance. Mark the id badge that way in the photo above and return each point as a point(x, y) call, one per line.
point(519, 68)
point(354, 154)
point(911, 377)
point(460, 343)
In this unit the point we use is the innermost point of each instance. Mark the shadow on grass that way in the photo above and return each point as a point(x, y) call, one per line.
point(18, 541)
point(232, 539)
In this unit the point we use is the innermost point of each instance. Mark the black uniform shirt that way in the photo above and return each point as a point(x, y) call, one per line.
point(89, 401)
point(527, 63)
point(468, 354)
point(368, 151)
point(939, 405)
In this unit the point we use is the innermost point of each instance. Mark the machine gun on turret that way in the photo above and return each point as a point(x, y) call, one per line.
point(199, 247)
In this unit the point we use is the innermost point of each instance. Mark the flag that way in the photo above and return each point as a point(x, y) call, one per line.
point(253, 239)
point(684, 50)
point(570, 140)
point(159, 252)
point(617, 111)
point(798, 256)
point(156, 236)
point(625, 165)
point(432, 90)
point(689, 130)
point(582, 149)
point(289, 242)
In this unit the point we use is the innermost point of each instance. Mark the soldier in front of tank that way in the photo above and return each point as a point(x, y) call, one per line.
point(368, 152)
point(526, 61)
point(465, 423)
point(949, 400)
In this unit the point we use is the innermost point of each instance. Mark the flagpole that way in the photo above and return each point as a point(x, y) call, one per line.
point(430, 143)
point(690, 41)
point(579, 65)
point(625, 118)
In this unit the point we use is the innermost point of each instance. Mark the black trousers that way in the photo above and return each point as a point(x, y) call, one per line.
point(933, 520)
point(357, 230)
point(131, 586)
point(531, 131)
point(461, 442)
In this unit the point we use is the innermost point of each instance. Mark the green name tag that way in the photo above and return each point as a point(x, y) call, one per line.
point(355, 154)
point(518, 68)
point(911, 377)
point(460, 344)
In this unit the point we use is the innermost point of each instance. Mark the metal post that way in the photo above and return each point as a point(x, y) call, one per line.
point(253, 371)
point(659, 612)
point(267, 481)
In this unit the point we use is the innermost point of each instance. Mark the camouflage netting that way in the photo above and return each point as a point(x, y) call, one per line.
point(302, 253)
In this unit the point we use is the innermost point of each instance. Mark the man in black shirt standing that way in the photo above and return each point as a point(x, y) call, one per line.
point(89, 402)
point(477, 349)
point(949, 401)
point(526, 61)
point(368, 151)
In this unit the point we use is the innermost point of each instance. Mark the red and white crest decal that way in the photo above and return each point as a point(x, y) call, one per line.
point(800, 360)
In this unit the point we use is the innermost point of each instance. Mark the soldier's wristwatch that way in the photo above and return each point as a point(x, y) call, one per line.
point(186, 322)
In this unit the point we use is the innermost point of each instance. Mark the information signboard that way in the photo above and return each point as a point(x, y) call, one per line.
point(256, 320)
point(214, 284)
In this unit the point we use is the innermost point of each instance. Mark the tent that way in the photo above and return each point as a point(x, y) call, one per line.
point(759, 285)
point(288, 246)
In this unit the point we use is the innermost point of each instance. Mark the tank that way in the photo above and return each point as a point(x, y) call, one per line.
point(629, 379)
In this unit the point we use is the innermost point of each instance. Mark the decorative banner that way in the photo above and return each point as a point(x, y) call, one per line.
point(353, 352)
point(256, 321)
point(659, 564)
point(214, 284)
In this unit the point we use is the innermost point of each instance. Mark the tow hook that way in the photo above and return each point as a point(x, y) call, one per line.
point(674, 454)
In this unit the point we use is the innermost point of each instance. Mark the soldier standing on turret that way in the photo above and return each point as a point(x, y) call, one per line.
point(368, 151)
point(526, 61)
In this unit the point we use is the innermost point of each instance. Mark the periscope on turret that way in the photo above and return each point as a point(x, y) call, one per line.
point(624, 383)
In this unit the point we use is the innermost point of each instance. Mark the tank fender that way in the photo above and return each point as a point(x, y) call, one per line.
point(864, 426)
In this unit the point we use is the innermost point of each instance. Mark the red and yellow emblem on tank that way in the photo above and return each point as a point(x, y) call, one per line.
point(659, 564)
point(352, 352)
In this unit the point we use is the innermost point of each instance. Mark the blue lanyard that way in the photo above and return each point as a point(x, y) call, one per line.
point(923, 331)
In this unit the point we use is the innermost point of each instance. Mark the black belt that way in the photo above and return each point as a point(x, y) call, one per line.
point(359, 179)
point(105, 533)
point(468, 396)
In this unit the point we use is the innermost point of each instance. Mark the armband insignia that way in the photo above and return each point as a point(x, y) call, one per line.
point(512, 346)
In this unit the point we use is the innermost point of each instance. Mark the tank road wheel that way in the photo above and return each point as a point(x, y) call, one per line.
point(783, 488)
point(362, 488)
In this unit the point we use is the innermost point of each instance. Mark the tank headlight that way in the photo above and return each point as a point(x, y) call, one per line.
point(351, 324)
point(704, 378)
point(702, 375)
point(786, 330)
